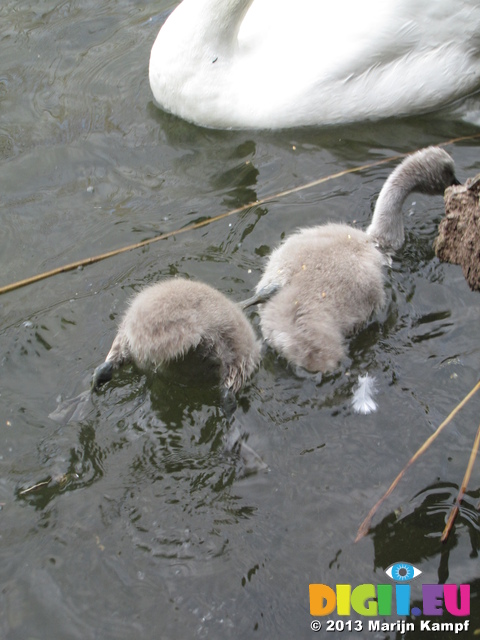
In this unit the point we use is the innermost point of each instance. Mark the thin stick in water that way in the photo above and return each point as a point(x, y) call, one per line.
point(466, 479)
point(191, 227)
point(365, 526)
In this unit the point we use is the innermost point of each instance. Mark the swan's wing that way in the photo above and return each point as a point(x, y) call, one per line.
point(393, 47)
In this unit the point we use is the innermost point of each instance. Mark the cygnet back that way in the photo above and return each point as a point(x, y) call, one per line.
point(170, 318)
point(331, 281)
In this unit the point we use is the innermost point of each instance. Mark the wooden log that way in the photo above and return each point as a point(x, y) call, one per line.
point(458, 240)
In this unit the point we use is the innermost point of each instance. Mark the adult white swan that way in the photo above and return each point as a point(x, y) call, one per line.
point(284, 63)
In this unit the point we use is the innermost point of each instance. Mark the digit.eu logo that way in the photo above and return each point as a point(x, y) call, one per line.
point(377, 600)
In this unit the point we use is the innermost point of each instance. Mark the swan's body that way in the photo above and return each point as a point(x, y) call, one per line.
point(168, 319)
point(329, 278)
point(273, 63)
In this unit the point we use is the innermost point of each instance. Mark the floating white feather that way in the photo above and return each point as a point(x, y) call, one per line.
point(362, 400)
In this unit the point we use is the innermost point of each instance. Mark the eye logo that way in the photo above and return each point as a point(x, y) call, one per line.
point(402, 572)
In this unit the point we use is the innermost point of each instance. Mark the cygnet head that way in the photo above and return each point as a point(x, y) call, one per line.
point(428, 171)
point(168, 319)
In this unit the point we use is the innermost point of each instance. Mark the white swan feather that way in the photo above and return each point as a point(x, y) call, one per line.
point(362, 400)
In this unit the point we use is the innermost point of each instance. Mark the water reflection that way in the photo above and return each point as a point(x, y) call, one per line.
point(145, 526)
point(168, 437)
point(439, 562)
point(426, 521)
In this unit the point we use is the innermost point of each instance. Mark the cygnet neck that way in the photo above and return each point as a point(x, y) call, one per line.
point(387, 221)
point(430, 171)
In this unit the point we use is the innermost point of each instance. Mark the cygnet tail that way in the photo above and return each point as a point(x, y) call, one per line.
point(261, 296)
point(362, 400)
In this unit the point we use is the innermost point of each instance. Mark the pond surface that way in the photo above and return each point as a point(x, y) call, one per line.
point(134, 522)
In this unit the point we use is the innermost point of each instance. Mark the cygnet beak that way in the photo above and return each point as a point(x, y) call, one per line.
point(103, 373)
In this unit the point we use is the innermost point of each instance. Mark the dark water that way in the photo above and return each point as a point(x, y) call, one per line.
point(140, 525)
